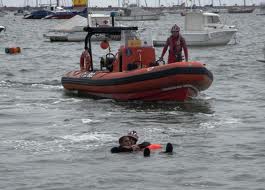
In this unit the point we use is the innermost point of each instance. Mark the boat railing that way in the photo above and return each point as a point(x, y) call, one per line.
point(102, 30)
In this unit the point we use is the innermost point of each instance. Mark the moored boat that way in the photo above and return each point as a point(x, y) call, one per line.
point(204, 29)
point(134, 74)
point(72, 29)
point(38, 14)
point(2, 28)
point(241, 9)
point(135, 13)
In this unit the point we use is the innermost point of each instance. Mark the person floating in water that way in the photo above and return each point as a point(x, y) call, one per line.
point(128, 143)
point(175, 43)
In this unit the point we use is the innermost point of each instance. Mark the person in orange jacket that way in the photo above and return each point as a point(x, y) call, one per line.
point(175, 43)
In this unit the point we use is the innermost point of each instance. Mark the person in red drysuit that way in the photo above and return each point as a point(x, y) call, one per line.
point(175, 43)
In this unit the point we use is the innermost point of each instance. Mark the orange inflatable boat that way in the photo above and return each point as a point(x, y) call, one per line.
point(134, 74)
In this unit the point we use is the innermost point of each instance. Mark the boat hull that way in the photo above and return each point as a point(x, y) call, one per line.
point(212, 38)
point(137, 18)
point(172, 82)
point(241, 10)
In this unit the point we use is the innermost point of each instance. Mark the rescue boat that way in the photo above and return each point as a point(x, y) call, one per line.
point(133, 73)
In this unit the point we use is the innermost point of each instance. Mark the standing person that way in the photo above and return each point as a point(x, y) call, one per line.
point(175, 43)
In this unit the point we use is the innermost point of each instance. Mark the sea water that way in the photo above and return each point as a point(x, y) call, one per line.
point(51, 139)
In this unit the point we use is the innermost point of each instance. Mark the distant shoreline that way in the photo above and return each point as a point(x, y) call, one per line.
point(5, 8)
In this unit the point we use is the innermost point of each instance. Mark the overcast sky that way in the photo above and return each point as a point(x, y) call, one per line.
point(115, 2)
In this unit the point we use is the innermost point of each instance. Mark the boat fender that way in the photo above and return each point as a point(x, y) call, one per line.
point(85, 61)
point(104, 44)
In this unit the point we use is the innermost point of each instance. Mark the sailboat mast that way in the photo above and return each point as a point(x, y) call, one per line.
point(58, 3)
point(37, 3)
point(244, 3)
point(138, 3)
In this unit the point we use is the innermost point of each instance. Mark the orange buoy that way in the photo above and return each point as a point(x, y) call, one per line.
point(13, 50)
point(18, 49)
point(154, 146)
point(104, 44)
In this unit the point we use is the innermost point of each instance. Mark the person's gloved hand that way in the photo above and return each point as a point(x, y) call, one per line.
point(135, 147)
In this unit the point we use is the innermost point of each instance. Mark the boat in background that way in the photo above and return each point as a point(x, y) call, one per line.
point(73, 29)
point(61, 13)
point(21, 12)
point(2, 28)
point(38, 14)
point(261, 9)
point(54, 12)
point(133, 73)
point(136, 13)
point(175, 9)
point(204, 29)
point(240, 9)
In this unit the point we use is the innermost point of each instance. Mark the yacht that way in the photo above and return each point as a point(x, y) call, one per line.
point(72, 30)
point(241, 9)
point(136, 13)
point(204, 29)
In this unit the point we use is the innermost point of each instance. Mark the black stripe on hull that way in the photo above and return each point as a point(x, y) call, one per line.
point(138, 78)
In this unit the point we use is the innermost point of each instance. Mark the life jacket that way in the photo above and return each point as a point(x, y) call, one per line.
point(175, 45)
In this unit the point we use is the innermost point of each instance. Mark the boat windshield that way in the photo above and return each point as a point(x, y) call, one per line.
point(213, 20)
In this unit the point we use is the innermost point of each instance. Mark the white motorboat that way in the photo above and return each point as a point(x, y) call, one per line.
point(204, 29)
point(72, 30)
point(135, 13)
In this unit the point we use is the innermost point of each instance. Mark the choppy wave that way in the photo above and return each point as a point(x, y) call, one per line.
point(43, 85)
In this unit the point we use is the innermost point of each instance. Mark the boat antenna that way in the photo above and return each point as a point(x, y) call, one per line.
point(88, 16)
